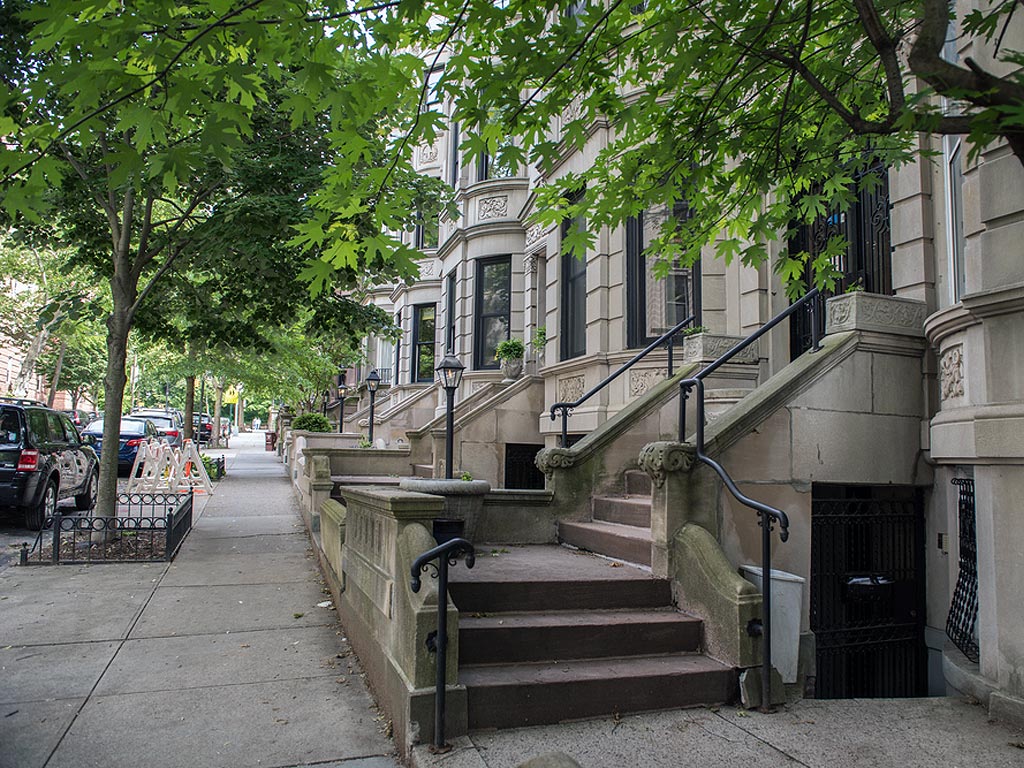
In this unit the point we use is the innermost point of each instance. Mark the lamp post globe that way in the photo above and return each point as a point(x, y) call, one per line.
point(449, 373)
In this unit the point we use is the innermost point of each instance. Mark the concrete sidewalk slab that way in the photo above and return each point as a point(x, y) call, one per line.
point(39, 609)
point(38, 672)
point(203, 610)
point(292, 543)
point(235, 526)
point(190, 570)
point(30, 731)
point(243, 726)
point(178, 663)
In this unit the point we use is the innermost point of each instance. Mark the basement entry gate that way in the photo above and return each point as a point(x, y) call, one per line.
point(867, 591)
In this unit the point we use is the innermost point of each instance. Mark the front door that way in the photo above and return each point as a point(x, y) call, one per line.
point(867, 591)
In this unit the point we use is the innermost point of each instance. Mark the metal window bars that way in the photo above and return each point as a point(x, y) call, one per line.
point(963, 611)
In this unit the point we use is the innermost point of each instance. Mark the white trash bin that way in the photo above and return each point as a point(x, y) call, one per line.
point(787, 604)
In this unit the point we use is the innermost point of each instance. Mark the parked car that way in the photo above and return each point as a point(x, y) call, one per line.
point(134, 432)
point(79, 418)
point(43, 460)
point(169, 424)
point(202, 427)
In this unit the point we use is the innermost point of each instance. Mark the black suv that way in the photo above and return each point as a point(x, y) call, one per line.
point(43, 460)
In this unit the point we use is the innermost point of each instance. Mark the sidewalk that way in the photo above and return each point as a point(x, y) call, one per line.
point(222, 658)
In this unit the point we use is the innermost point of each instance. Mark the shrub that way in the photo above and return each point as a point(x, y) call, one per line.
point(510, 349)
point(312, 422)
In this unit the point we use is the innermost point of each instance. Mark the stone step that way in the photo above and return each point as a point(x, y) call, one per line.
point(638, 482)
point(624, 511)
point(625, 542)
point(481, 596)
point(422, 470)
point(522, 637)
point(507, 696)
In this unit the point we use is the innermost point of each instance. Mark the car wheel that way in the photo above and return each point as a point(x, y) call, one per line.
point(47, 507)
point(87, 499)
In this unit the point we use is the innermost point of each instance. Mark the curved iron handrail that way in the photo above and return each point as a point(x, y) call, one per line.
point(767, 514)
point(667, 338)
point(446, 554)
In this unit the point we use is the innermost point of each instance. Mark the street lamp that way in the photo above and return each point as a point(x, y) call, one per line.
point(327, 395)
point(342, 391)
point(449, 373)
point(372, 382)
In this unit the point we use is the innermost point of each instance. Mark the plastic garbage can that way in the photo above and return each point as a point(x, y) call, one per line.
point(787, 604)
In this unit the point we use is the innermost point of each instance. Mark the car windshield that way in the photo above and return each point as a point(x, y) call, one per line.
point(10, 427)
point(162, 422)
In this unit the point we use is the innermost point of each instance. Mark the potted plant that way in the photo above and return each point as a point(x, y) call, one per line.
point(509, 354)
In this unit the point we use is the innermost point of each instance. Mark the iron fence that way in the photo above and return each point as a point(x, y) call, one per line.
point(149, 527)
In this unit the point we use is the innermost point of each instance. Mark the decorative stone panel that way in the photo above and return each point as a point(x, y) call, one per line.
point(428, 154)
point(570, 388)
point(951, 372)
point(708, 347)
point(535, 233)
point(862, 311)
point(641, 381)
point(494, 207)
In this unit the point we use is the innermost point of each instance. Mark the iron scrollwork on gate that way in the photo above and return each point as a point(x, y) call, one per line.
point(963, 612)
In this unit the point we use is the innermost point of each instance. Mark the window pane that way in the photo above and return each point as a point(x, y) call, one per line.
point(425, 363)
point(496, 287)
point(494, 331)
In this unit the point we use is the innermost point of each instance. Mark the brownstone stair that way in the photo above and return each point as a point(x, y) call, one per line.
point(621, 525)
point(547, 634)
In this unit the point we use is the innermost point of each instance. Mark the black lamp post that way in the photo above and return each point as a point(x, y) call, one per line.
point(449, 373)
point(372, 382)
point(327, 395)
point(342, 391)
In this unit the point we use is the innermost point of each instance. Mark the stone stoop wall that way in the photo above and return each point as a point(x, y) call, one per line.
point(849, 414)
point(407, 414)
point(480, 435)
point(369, 546)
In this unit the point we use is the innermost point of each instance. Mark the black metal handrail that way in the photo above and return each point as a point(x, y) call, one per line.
point(446, 554)
point(767, 515)
point(667, 338)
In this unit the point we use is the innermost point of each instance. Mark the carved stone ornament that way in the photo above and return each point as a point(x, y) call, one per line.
point(951, 372)
point(862, 311)
point(641, 381)
point(535, 233)
point(550, 459)
point(658, 459)
point(570, 389)
point(707, 347)
point(494, 207)
point(428, 268)
point(428, 154)
point(530, 263)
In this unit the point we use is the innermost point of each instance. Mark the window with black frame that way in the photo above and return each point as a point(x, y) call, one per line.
point(450, 288)
point(492, 319)
point(425, 236)
point(574, 292)
point(423, 340)
point(657, 304)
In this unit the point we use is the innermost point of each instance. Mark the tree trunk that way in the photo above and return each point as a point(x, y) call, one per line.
point(55, 383)
point(114, 382)
point(28, 363)
point(218, 402)
point(190, 406)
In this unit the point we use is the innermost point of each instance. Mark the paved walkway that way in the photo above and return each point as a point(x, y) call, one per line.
point(223, 658)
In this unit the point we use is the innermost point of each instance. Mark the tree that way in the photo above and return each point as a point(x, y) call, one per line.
point(128, 117)
point(761, 115)
point(76, 362)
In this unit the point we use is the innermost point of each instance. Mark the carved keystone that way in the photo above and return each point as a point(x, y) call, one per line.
point(550, 459)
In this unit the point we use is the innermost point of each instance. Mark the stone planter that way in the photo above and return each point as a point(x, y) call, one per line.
point(862, 311)
point(512, 369)
point(463, 499)
point(706, 347)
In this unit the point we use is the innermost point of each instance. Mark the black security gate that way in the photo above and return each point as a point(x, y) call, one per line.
point(867, 591)
point(963, 612)
point(867, 262)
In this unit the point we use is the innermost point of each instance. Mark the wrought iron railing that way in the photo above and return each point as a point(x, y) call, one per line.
point(446, 554)
point(963, 611)
point(768, 515)
point(667, 339)
point(131, 536)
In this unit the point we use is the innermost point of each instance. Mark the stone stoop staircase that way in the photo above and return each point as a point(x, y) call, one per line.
point(586, 639)
point(621, 525)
